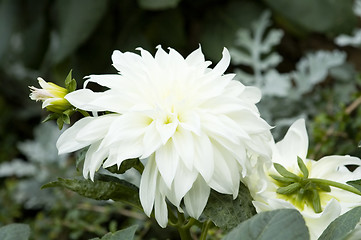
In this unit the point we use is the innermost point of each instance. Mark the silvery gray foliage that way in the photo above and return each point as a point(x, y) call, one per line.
point(43, 162)
point(313, 69)
point(254, 49)
point(355, 39)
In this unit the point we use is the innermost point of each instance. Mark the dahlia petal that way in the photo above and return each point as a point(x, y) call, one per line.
point(125, 150)
point(196, 57)
point(196, 198)
point(223, 64)
point(204, 158)
point(160, 209)
point(226, 175)
point(148, 183)
point(294, 144)
point(251, 95)
point(184, 144)
point(167, 159)
point(67, 141)
point(96, 129)
point(183, 184)
point(151, 140)
point(93, 159)
point(126, 60)
point(107, 80)
point(166, 131)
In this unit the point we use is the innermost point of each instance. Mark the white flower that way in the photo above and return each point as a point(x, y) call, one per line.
point(51, 94)
point(194, 125)
point(333, 203)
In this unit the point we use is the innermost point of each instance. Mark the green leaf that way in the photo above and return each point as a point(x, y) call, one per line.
point(227, 213)
point(124, 234)
point(103, 188)
point(9, 13)
point(282, 224)
point(342, 226)
point(323, 16)
point(125, 165)
point(78, 20)
point(158, 4)
point(221, 23)
point(356, 184)
point(15, 231)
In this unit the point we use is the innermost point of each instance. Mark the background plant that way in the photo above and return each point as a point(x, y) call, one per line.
point(298, 63)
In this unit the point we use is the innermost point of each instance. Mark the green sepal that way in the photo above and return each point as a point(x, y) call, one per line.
point(324, 187)
point(51, 116)
point(316, 201)
point(293, 187)
point(302, 167)
point(284, 172)
point(280, 179)
point(70, 83)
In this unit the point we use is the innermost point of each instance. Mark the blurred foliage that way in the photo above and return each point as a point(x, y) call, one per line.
point(313, 76)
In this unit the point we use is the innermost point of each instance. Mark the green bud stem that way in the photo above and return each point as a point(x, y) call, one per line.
point(334, 184)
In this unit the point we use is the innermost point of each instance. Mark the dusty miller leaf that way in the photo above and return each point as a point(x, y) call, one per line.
point(15, 231)
point(282, 224)
point(342, 226)
point(227, 213)
point(17, 168)
point(254, 49)
point(314, 67)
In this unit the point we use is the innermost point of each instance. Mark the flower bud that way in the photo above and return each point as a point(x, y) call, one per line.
point(51, 95)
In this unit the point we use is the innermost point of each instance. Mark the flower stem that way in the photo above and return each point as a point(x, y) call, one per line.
point(205, 228)
point(335, 184)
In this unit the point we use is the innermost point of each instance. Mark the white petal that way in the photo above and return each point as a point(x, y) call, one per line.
point(294, 144)
point(184, 145)
point(93, 160)
point(151, 140)
point(222, 65)
point(332, 168)
point(148, 185)
point(251, 95)
point(166, 131)
point(183, 182)
point(67, 142)
point(319, 222)
point(226, 175)
point(196, 57)
point(167, 162)
point(107, 80)
point(96, 129)
point(160, 209)
point(204, 159)
point(196, 199)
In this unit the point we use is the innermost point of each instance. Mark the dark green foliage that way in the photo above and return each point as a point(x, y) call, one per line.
point(342, 226)
point(103, 188)
point(283, 224)
point(125, 234)
point(227, 213)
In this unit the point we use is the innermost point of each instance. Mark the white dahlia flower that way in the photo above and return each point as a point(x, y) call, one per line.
point(319, 204)
point(193, 125)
